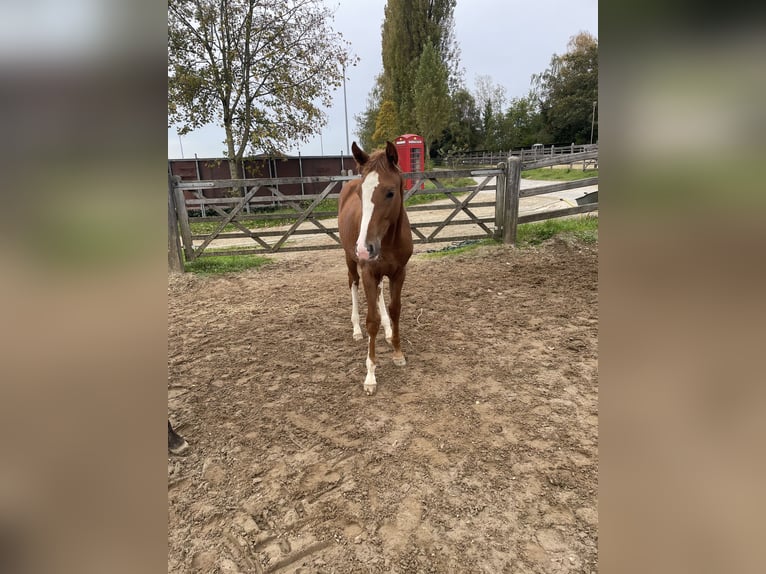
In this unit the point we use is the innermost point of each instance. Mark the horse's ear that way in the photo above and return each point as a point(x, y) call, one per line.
point(359, 154)
point(391, 153)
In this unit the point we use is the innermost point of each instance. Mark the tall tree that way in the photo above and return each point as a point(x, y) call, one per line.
point(462, 131)
point(490, 98)
point(259, 69)
point(385, 125)
point(366, 121)
point(407, 27)
point(567, 89)
point(431, 96)
point(489, 94)
point(521, 123)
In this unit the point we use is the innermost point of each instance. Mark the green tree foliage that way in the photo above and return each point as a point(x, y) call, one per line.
point(366, 120)
point(490, 99)
point(408, 26)
point(258, 69)
point(385, 125)
point(492, 129)
point(463, 129)
point(521, 124)
point(431, 96)
point(567, 89)
point(559, 108)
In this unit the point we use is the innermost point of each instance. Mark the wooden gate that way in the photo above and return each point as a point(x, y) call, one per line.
point(253, 222)
point(245, 224)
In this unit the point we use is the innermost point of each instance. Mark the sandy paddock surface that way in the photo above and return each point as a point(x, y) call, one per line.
point(480, 455)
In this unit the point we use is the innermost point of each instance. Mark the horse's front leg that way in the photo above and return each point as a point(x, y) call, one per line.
point(353, 283)
point(373, 324)
point(355, 312)
point(396, 283)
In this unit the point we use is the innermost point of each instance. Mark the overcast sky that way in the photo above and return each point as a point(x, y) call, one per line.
point(508, 40)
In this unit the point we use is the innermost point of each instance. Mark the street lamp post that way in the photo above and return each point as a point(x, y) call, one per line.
point(345, 106)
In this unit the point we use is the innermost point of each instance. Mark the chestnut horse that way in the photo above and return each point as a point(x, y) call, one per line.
point(376, 237)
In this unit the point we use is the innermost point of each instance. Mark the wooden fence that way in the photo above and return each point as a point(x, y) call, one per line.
point(566, 154)
point(196, 169)
point(312, 227)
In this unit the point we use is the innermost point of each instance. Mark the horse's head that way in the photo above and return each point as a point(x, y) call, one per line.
point(382, 197)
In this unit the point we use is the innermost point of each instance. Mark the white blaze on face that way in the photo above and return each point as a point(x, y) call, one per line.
point(368, 187)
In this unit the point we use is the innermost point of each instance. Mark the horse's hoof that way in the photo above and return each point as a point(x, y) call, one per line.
point(179, 448)
point(370, 389)
point(400, 361)
point(389, 340)
point(357, 336)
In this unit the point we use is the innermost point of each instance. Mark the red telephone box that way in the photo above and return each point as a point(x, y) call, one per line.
point(411, 150)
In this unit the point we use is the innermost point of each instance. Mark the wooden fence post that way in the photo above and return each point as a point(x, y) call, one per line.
point(175, 259)
point(511, 200)
point(500, 199)
point(183, 218)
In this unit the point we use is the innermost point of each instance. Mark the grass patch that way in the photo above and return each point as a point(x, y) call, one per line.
point(583, 228)
point(452, 182)
point(225, 264)
point(558, 174)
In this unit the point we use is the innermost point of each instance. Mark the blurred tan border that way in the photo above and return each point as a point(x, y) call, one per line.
point(682, 297)
point(83, 348)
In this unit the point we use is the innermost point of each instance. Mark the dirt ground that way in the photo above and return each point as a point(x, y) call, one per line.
point(480, 455)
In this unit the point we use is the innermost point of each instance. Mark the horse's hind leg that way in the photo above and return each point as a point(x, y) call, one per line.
point(176, 443)
point(396, 283)
point(353, 283)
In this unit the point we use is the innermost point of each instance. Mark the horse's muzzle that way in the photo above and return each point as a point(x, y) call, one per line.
point(370, 252)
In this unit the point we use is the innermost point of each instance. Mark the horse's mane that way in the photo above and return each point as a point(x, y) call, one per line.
point(378, 162)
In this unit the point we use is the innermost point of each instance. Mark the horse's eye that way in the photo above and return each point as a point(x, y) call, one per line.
point(389, 195)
